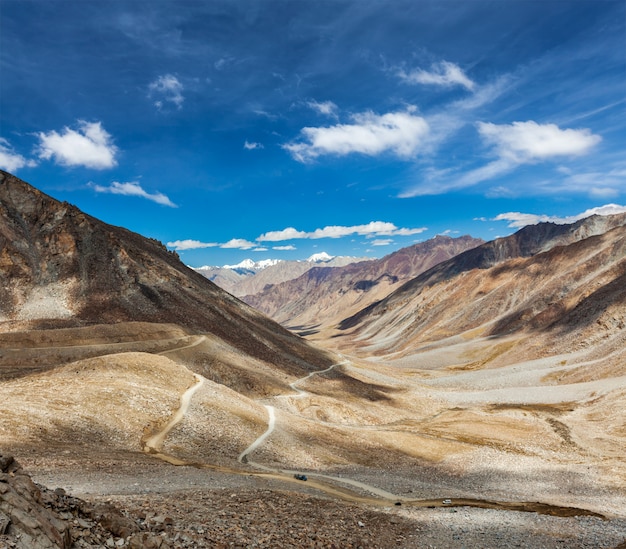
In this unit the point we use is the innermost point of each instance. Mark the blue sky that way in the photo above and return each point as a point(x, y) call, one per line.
point(278, 129)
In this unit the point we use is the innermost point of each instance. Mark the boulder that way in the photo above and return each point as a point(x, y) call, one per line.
point(22, 513)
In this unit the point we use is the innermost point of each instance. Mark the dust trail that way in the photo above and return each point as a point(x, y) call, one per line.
point(301, 392)
point(271, 422)
point(155, 442)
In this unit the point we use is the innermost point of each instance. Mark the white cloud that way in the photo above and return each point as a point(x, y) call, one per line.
point(514, 145)
point(252, 146)
point(133, 188)
point(407, 232)
point(526, 142)
point(603, 192)
point(374, 228)
point(10, 160)
point(444, 74)
point(167, 88)
point(234, 243)
point(238, 243)
point(90, 146)
point(181, 245)
point(401, 133)
point(381, 242)
point(518, 219)
point(284, 248)
point(286, 234)
point(327, 108)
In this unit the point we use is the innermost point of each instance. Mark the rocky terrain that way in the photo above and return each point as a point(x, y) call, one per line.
point(478, 405)
point(61, 267)
point(233, 514)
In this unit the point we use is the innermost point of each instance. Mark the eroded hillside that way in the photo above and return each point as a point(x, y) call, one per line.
point(61, 267)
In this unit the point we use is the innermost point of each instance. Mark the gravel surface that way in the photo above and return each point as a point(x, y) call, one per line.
point(184, 508)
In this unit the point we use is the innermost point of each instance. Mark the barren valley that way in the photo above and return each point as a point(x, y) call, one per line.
point(478, 405)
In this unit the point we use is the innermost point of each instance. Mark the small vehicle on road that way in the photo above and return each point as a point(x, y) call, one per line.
point(298, 476)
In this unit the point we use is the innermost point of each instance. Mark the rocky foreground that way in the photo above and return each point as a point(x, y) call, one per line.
point(34, 517)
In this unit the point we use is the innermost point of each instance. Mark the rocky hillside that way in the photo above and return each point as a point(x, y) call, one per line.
point(322, 296)
point(61, 267)
point(565, 280)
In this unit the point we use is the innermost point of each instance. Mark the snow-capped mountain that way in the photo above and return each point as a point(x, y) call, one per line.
point(250, 277)
point(322, 257)
point(249, 265)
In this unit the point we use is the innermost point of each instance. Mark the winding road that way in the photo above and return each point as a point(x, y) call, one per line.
point(243, 457)
point(328, 483)
point(153, 444)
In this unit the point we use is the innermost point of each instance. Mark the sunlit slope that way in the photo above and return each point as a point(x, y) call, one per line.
point(569, 297)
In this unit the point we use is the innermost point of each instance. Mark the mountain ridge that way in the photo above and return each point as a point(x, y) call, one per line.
point(566, 292)
point(322, 294)
point(526, 242)
point(59, 265)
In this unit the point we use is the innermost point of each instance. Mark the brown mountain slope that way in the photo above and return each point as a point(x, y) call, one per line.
point(574, 294)
point(322, 296)
point(61, 267)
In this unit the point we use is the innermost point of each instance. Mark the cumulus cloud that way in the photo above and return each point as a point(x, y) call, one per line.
point(10, 160)
point(238, 243)
point(232, 244)
point(518, 219)
point(167, 88)
point(381, 242)
point(252, 146)
point(181, 245)
point(525, 142)
point(133, 188)
point(401, 133)
point(286, 234)
point(374, 228)
point(444, 74)
point(327, 108)
point(90, 146)
point(284, 248)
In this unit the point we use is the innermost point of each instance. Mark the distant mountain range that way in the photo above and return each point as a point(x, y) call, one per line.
point(250, 277)
point(324, 295)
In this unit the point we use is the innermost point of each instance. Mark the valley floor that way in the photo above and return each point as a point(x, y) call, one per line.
point(436, 450)
point(190, 507)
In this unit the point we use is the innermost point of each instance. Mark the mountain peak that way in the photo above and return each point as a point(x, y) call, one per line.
point(321, 257)
point(250, 265)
